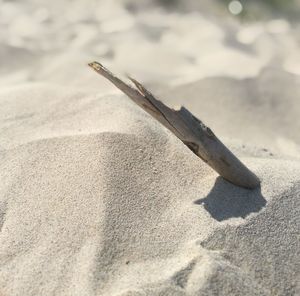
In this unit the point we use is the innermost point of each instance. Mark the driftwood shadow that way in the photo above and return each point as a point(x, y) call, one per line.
point(226, 200)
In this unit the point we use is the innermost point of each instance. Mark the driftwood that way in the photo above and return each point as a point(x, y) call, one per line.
point(189, 129)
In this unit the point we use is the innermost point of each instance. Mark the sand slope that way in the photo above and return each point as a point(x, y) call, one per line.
point(98, 199)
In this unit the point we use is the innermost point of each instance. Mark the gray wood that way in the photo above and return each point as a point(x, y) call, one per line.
point(189, 129)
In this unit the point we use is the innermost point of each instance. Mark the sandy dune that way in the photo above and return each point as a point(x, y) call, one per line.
point(97, 198)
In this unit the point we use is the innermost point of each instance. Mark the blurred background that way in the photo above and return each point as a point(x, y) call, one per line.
point(167, 42)
point(234, 64)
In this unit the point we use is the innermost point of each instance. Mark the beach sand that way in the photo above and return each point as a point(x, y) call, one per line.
point(98, 198)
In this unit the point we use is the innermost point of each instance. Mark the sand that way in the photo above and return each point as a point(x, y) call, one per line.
point(97, 198)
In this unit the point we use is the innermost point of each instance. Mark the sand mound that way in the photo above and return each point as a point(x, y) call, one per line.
point(99, 199)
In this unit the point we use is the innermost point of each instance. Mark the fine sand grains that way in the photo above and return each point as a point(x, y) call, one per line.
point(97, 198)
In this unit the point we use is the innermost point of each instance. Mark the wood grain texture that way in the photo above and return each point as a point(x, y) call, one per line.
point(189, 129)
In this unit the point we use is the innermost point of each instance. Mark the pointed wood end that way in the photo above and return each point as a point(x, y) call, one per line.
point(96, 66)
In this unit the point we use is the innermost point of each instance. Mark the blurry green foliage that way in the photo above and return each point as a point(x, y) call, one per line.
point(252, 9)
point(278, 4)
point(268, 8)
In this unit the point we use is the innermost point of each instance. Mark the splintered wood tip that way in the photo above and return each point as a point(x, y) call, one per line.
point(95, 65)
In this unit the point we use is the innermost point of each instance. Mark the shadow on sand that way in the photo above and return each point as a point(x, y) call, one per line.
point(226, 200)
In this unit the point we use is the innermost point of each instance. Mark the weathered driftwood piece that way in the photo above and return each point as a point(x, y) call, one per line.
point(189, 129)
